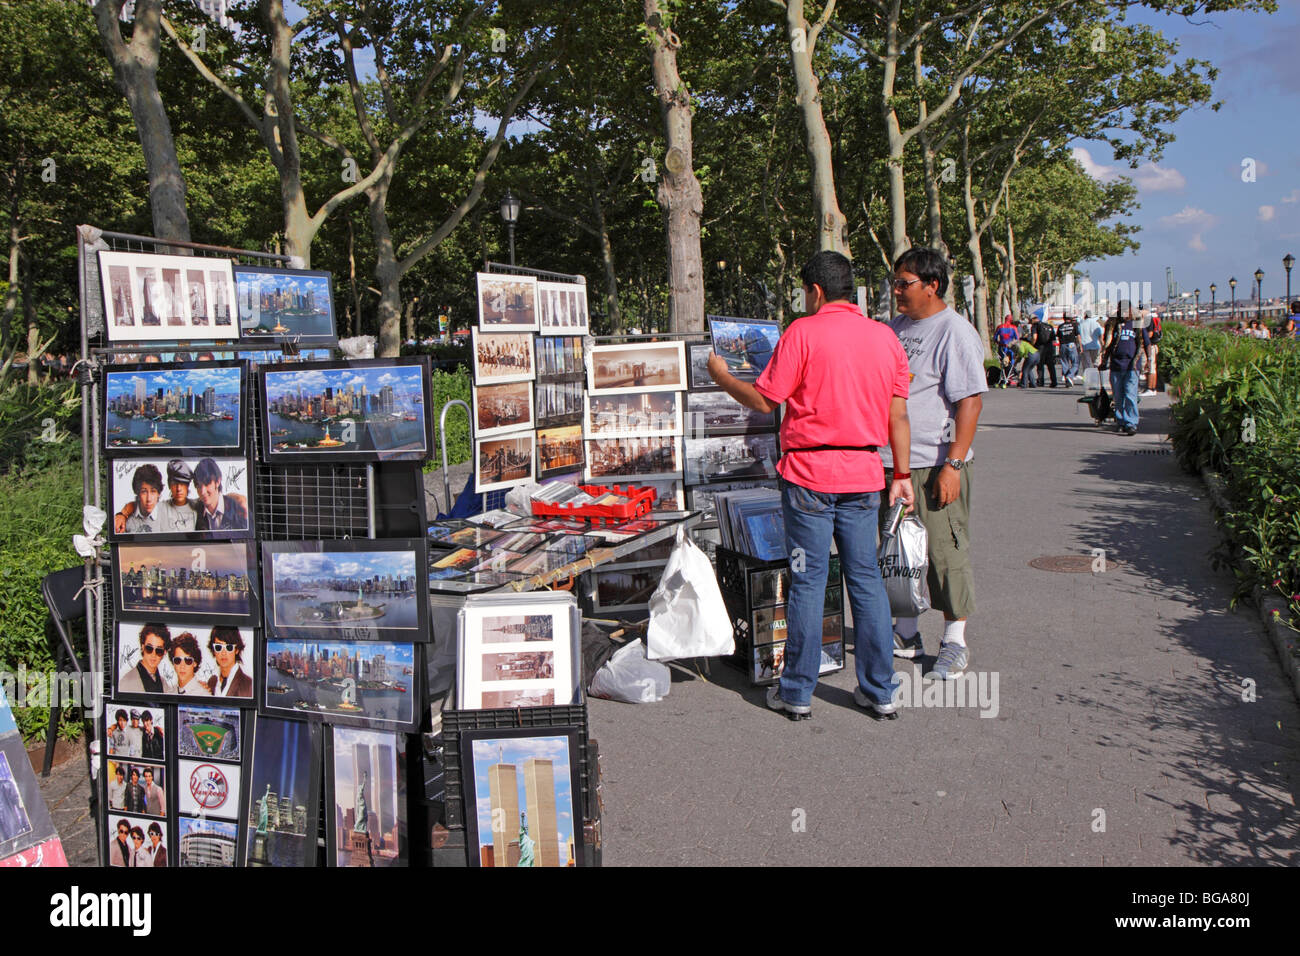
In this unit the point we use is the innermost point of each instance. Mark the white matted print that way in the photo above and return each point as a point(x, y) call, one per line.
point(156, 298)
point(208, 788)
point(517, 655)
point(639, 367)
point(632, 414)
point(562, 308)
point(196, 660)
point(502, 408)
point(507, 303)
point(502, 357)
point(505, 461)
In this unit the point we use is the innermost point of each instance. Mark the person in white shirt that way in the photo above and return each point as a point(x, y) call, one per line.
point(147, 485)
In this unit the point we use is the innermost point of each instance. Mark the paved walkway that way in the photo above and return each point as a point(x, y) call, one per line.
point(1119, 692)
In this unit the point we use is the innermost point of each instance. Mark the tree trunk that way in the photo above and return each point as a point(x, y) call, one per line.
point(11, 294)
point(973, 245)
point(387, 273)
point(607, 260)
point(899, 242)
point(832, 227)
point(410, 318)
point(29, 314)
point(1011, 264)
point(679, 190)
point(352, 278)
point(280, 134)
point(135, 67)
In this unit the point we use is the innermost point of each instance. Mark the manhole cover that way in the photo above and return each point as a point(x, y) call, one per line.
point(1072, 563)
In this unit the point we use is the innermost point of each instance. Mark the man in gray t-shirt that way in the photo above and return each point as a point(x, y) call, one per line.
point(946, 358)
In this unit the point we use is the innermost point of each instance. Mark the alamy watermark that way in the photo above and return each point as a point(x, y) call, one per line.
point(24, 688)
point(970, 689)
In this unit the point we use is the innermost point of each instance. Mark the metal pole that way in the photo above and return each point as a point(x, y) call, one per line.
point(370, 500)
point(510, 228)
point(1259, 300)
point(1287, 304)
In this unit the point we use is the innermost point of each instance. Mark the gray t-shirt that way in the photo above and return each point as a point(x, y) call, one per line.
point(946, 359)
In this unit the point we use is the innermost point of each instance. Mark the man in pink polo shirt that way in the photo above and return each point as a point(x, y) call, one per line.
point(843, 380)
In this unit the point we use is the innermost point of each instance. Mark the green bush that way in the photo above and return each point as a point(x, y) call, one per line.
point(40, 510)
point(1238, 413)
point(446, 387)
point(39, 424)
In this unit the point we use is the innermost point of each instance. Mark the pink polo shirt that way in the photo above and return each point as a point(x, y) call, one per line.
point(837, 372)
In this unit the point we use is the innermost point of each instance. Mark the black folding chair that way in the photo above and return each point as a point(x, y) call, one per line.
point(66, 604)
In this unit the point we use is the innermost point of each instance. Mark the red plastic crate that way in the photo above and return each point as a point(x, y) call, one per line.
point(639, 503)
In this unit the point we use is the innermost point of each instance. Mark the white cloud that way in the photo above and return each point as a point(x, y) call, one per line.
point(1148, 176)
point(1193, 220)
point(1294, 197)
point(1266, 213)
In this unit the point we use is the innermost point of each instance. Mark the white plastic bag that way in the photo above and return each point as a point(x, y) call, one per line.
point(687, 615)
point(629, 677)
point(904, 565)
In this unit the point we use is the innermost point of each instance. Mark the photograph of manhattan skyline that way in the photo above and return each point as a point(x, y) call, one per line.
point(343, 589)
point(379, 408)
point(194, 408)
point(275, 302)
point(524, 782)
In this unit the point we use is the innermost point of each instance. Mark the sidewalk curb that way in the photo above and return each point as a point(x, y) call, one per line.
point(1270, 608)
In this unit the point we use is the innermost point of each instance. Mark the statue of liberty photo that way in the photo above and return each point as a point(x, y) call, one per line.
point(525, 842)
point(362, 823)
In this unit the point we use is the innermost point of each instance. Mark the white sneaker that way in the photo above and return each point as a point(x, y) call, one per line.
point(908, 647)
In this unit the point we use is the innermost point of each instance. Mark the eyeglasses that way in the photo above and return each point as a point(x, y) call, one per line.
point(157, 650)
point(138, 839)
point(182, 659)
point(218, 646)
point(898, 285)
point(122, 831)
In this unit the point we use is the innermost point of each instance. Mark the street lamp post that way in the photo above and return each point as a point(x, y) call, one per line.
point(1287, 263)
point(1196, 316)
point(1213, 288)
point(1259, 295)
point(1232, 284)
point(510, 206)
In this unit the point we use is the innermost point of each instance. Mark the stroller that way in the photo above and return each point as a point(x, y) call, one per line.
point(1097, 397)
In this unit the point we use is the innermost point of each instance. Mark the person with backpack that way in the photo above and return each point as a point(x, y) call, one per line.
point(1068, 333)
point(1119, 353)
point(1154, 334)
point(1007, 336)
point(1045, 339)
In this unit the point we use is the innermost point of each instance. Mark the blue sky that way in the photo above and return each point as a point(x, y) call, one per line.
point(515, 750)
point(1197, 215)
point(224, 379)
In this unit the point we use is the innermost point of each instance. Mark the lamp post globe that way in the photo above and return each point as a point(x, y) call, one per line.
point(1287, 262)
point(1213, 289)
point(1259, 294)
point(1232, 284)
point(510, 208)
point(1196, 316)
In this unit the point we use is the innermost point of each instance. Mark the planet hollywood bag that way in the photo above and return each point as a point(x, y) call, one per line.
point(904, 565)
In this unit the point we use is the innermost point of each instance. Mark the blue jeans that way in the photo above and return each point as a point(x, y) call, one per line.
point(1070, 360)
point(812, 519)
point(1124, 393)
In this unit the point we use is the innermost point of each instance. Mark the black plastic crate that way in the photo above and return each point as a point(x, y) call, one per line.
point(454, 722)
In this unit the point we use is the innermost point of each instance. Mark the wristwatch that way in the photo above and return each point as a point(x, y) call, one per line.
point(957, 463)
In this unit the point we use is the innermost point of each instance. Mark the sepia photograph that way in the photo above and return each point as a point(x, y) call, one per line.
point(275, 302)
point(609, 458)
point(633, 414)
point(504, 462)
point(365, 798)
point(179, 499)
point(769, 625)
point(500, 699)
point(208, 582)
point(518, 645)
point(507, 303)
point(150, 297)
point(746, 345)
point(725, 458)
point(502, 408)
point(184, 660)
point(562, 308)
point(504, 357)
point(717, 413)
point(185, 408)
point(648, 367)
point(518, 665)
point(559, 450)
point(769, 587)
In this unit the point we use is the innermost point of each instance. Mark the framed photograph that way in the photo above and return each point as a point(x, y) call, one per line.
point(136, 841)
point(702, 496)
point(296, 304)
point(357, 590)
point(365, 795)
point(503, 357)
point(639, 367)
point(356, 683)
point(767, 661)
point(523, 797)
point(746, 345)
point(133, 732)
point(179, 499)
point(462, 534)
point(188, 408)
point(504, 461)
point(281, 792)
point(502, 408)
point(212, 582)
point(208, 788)
point(769, 625)
point(769, 587)
point(507, 303)
point(158, 660)
point(633, 415)
point(626, 458)
point(207, 843)
point(559, 403)
point(519, 651)
point(560, 359)
point(725, 458)
point(159, 298)
point(559, 450)
point(562, 308)
point(209, 733)
point(717, 413)
point(354, 411)
point(136, 786)
point(24, 819)
point(626, 587)
point(700, 379)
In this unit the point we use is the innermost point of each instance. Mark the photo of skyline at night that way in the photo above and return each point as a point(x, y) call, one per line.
point(281, 820)
point(354, 408)
point(195, 407)
point(210, 580)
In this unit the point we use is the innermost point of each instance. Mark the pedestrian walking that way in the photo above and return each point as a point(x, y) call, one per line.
point(1090, 340)
point(1068, 333)
point(946, 357)
point(1120, 349)
point(1045, 340)
point(843, 380)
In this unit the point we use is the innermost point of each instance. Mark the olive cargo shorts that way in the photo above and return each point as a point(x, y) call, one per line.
point(951, 577)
